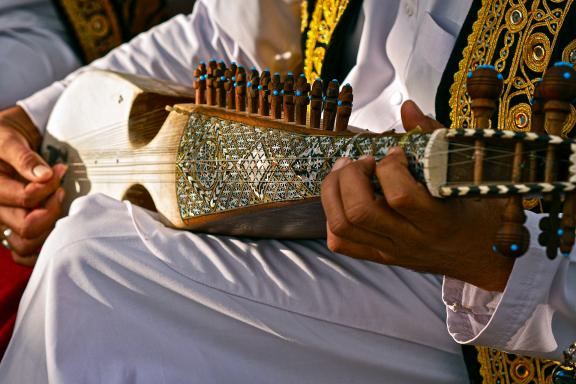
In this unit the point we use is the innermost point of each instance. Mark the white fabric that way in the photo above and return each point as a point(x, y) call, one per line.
point(137, 302)
point(171, 51)
point(140, 303)
point(536, 314)
point(34, 48)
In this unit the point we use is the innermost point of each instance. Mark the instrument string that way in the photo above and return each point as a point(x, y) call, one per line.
point(114, 140)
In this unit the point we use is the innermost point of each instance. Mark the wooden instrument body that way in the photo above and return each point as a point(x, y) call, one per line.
point(105, 127)
point(208, 169)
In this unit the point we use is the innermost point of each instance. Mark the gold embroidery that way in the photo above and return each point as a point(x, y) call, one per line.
point(95, 25)
point(324, 20)
point(518, 38)
point(537, 52)
point(304, 15)
point(569, 53)
point(501, 368)
point(526, 33)
point(519, 117)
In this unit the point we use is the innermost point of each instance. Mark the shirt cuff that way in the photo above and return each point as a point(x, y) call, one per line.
point(40, 104)
point(502, 320)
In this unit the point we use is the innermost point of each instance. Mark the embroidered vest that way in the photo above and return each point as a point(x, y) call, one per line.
point(521, 39)
point(99, 26)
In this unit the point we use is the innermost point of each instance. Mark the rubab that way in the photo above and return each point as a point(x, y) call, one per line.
point(244, 153)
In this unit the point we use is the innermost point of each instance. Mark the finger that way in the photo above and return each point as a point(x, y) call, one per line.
point(412, 117)
point(360, 205)
point(357, 250)
point(26, 247)
point(403, 193)
point(336, 220)
point(29, 195)
point(25, 161)
point(34, 223)
point(26, 261)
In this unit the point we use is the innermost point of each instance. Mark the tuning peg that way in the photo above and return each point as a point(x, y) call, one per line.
point(537, 110)
point(200, 83)
point(275, 96)
point(252, 96)
point(220, 89)
point(330, 105)
point(229, 87)
point(484, 86)
point(288, 97)
point(558, 89)
point(301, 96)
point(211, 82)
point(264, 93)
point(512, 238)
point(240, 87)
point(316, 103)
point(344, 108)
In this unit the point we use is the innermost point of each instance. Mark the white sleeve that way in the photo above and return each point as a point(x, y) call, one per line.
point(34, 49)
point(536, 313)
point(251, 32)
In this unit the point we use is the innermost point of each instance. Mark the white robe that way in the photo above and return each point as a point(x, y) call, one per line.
point(139, 302)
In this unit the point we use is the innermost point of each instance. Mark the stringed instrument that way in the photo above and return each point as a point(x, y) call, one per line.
point(248, 156)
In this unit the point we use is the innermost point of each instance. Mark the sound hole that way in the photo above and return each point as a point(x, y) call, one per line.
point(138, 195)
point(147, 116)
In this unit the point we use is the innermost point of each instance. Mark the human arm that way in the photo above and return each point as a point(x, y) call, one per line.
point(247, 32)
point(30, 193)
point(168, 52)
point(406, 226)
point(536, 312)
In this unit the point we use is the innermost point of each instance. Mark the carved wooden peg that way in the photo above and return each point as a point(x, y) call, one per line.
point(301, 99)
point(200, 83)
point(288, 97)
point(230, 89)
point(330, 105)
point(558, 91)
point(220, 88)
point(512, 238)
point(484, 85)
point(240, 87)
point(252, 89)
point(344, 111)
point(537, 110)
point(275, 88)
point(211, 82)
point(316, 103)
point(264, 93)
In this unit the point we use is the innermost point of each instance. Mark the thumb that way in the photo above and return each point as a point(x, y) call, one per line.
point(412, 117)
point(25, 161)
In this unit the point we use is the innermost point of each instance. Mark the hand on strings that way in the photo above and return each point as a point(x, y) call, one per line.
point(30, 193)
point(405, 225)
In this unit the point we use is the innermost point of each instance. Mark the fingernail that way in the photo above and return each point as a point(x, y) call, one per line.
point(40, 170)
point(60, 195)
point(364, 157)
point(340, 163)
point(394, 150)
point(62, 172)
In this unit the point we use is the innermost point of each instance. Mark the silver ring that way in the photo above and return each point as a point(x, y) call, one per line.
point(6, 233)
point(6, 244)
